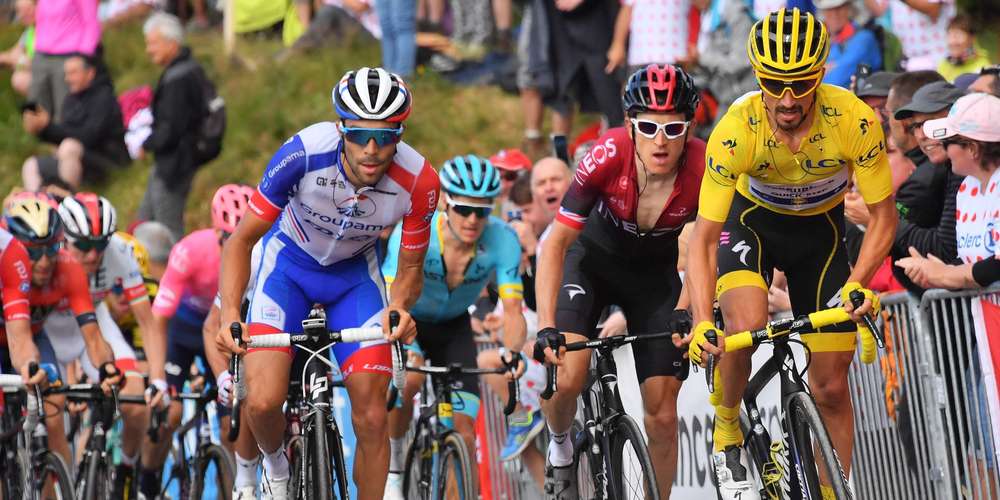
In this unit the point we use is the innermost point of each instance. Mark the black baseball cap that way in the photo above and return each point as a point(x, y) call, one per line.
point(875, 85)
point(930, 98)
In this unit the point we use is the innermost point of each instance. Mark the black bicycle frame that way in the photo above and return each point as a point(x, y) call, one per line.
point(758, 440)
point(610, 407)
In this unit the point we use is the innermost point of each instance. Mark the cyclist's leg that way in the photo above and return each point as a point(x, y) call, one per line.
point(657, 364)
point(401, 416)
point(744, 272)
point(578, 307)
point(278, 304)
point(360, 300)
point(815, 284)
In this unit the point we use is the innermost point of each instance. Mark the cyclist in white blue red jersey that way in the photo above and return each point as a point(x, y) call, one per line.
point(615, 242)
point(467, 247)
point(318, 211)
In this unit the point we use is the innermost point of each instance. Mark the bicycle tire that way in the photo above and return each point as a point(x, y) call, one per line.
point(54, 468)
point(179, 470)
point(97, 482)
point(319, 461)
point(339, 463)
point(416, 469)
point(225, 471)
point(808, 434)
point(296, 466)
point(587, 480)
point(454, 457)
point(626, 432)
point(16, 480)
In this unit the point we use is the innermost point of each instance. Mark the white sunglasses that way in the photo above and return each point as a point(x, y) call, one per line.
point(649, 128)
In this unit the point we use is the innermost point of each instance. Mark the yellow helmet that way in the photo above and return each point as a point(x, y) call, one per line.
point(788, 43)
point(139, 252)
point(32, 218)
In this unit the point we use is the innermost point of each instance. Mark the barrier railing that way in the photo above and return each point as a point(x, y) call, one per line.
point(919, 428)
point(506, 484)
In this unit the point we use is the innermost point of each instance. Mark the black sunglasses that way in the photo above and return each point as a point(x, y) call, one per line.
point(36, 252)
point(467, 210)
point(88, 244)
point(509, 175)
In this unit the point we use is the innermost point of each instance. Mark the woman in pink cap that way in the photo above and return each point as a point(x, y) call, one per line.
point(971, 135)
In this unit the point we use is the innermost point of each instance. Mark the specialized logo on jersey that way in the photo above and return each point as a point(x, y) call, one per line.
point(572, 289)
point(743, 249)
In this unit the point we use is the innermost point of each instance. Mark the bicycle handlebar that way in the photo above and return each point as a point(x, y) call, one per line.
point(513, 390)
point(290, 339)
point(612, 342)
point(236, 330)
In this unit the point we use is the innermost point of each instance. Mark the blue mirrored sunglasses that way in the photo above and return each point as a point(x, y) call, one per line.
point(362, 135)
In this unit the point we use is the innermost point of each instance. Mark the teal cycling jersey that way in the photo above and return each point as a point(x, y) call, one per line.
point(497, 249)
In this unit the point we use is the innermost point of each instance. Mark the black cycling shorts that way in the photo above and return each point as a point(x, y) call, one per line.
point(647, 293)
point(451, 341)
point(809, 249)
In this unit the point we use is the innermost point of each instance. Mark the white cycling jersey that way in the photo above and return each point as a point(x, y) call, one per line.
point(306, 190)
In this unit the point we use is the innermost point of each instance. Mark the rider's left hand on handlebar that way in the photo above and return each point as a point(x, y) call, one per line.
point(508, 357)
point(871, 305)
point(111, 377)
point(698, 345)
point(405, 331)
point(30, 380)
point(159, 398)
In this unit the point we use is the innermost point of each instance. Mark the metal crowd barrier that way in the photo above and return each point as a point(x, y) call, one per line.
point(506, 482)
point(919, 430)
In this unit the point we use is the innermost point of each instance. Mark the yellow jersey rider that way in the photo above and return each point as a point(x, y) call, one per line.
point(776, 170)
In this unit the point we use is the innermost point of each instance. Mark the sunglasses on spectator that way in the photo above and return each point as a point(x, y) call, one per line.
point(36, 252)
point(649, 128)
point(362, 135)
point(467, 209)
point(88, 244)
point(799, 87)
point(509, 175)
point(912, 127)
point(958, 141)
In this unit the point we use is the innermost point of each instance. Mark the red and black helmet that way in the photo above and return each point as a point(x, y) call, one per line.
point(660, 89)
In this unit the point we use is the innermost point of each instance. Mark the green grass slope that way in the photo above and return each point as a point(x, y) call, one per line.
point(267, 106)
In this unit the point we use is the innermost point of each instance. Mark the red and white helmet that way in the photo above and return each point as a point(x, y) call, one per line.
point(228, 206)
point(88, 216)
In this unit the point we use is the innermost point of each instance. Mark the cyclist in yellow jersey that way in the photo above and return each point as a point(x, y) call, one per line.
point(777, 167)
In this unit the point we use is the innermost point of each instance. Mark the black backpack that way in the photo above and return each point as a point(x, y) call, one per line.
point(213, 123)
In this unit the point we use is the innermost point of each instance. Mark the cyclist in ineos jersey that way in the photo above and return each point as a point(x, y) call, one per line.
point(324, 199)
point(615, 242)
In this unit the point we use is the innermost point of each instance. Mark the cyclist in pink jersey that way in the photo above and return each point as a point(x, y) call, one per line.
point(187, 290)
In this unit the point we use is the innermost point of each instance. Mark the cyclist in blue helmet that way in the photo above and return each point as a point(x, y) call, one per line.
point(467, 247)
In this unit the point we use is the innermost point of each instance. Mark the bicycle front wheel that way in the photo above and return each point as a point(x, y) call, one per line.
point(297, 467)
point(631, 468)
point(589, 482)
point(55, 475)
point(812, 451)
point(418, 468)
point(213, 466)
point(455, 475)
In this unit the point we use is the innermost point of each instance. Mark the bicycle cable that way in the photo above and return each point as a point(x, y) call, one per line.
point(312, 356)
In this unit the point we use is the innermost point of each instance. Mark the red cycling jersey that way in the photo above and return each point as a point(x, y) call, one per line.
point(15, 278)
point(603, 198)
point(67, 288)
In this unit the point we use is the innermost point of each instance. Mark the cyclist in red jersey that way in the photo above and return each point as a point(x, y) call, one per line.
point(15, 284)
point(55, 278)
point(615, 242)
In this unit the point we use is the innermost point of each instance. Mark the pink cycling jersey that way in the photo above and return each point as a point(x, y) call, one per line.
point(192, 275)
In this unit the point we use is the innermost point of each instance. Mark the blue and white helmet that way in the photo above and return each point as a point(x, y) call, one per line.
point(372, 94)
point(470, 175)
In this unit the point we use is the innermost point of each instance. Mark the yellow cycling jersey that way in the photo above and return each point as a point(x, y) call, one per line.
point(743, 155)
point(141, 255)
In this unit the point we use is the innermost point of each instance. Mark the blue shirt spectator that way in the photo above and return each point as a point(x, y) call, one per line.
point(849, 44)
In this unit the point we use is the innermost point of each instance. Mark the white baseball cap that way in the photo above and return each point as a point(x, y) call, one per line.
point(976, 116)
